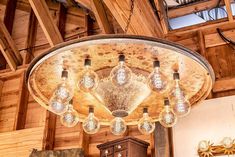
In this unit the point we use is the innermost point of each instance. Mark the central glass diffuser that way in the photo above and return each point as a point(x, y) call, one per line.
point(119, 80)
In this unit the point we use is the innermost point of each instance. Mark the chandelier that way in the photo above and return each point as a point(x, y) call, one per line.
point(119, 80)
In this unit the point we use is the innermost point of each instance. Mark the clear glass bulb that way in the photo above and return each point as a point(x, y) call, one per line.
point(167, 117)
point(203, 146)
point(121, 74)
point(57, 106)
point(91, 124)
point(227, 142)
point(118, 126)
point(89, 79)
point(156, 80)
point(146, 125)
point(181, 105)
point(70, 117)
point(64, 91)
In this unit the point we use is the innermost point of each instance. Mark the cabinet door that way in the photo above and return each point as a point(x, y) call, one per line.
point(121, 154)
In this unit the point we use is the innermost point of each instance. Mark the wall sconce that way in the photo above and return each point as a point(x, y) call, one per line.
point(207, 149)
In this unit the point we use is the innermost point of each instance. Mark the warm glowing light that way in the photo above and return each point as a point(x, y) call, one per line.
point(118, 126)
point(227, 142)
point(181, 106)
point(70, 117)
point(156, 80)
point(121, 74)
point(91, 124)
point(167, 117)
point(89, 79)
point(203, 146)
point(146, 125)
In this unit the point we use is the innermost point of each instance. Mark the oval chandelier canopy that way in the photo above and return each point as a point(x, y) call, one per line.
point(118, 76)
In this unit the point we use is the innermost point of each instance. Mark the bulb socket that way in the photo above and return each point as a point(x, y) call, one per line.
point(176, 76)
point(166, 102)
point(121, 58)
point(91, 109)
point(64, 74)
point(87, 62)
point(156, 64)
point(145, 110)
point(71, 102)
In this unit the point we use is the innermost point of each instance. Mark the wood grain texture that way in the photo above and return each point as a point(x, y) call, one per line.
point(10, 14)
point(143, 21)
point(50, 29)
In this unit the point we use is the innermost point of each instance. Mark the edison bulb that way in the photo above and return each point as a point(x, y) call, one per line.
point(203, 146)
point(57, 106)
point(64, 91)
point(227, 142)
point(121, 74)
point(181, 105)
point(70, 117)
point(89, 79)
point(91, 124)
point(167, 117)
point(118, 126)
point(156, 80)
point(146, 125)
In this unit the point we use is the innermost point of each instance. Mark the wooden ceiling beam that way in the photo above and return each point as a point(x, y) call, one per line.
point(62, 19)
point(192, 8)
point(9, 43)
point(49, 28)
point(101, 16)
point(162, 15)
point(7, 55)
point(224, 84)
point(85, 4)
point(10, 14)
point(22, 104)
point(229, 10)
point(143, 21)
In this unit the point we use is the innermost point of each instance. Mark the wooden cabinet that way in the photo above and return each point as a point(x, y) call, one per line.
point(125, 147)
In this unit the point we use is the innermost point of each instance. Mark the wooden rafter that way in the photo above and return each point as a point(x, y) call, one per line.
point(192, 8)
point(49, 28)
point(85, 3)
point(101, 16)
point(229, 10)
point(162, 15)
point(143, 21)
point(10, 14)
point(9, 44)
point(31, 39)
point(7, 55)
point(62, 19)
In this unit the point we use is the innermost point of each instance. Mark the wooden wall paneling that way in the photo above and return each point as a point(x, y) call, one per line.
point(1, 86)
point(87, 25)
point(162, 141)
point(10, 14)
point(50, 29)
point(162, 15)
point(49, 131)
point(202, 45)
point(143, 21)
point(31, 38)
point(101, 16)
point(62, 19)
point(22, 105)
point(21, 142)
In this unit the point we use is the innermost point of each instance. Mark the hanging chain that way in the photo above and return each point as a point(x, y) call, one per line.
point(129, 18)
